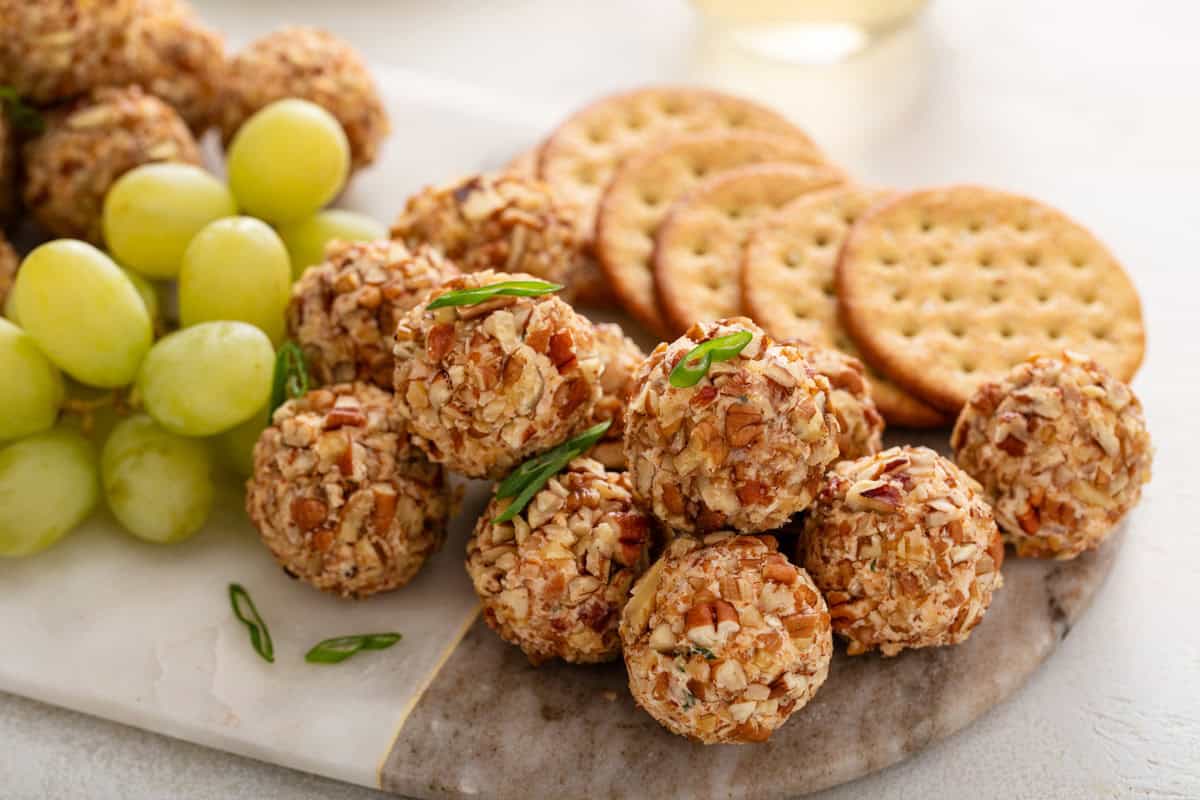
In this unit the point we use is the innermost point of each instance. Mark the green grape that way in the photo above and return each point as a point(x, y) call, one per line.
point(153, 211)
point(146, 291)
point(158, 485)
point(236, 269)
point(49, 483)
point(306, 239)
point(206, 379)
point(33, 388)
point(83, 312)
point(288, 160)
point(236, 446)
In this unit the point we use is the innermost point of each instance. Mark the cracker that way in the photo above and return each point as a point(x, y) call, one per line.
point(944, 289)
point(787, 286)
point(698, 250)
point(641, 194)
point(582, 154)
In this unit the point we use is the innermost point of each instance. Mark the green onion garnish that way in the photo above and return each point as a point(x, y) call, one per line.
point(526, 480)
point(337, 650)
point(470, 297)
point(291, 376)
point(694, 366)
point(260, 637)
point(21, 115)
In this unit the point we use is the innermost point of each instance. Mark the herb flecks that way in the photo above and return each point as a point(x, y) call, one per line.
point(526, 480)
point(481, 294)
point(247, 614)
point(692, 368)
point(22, 116)
point(339, 648)
point(291, 376)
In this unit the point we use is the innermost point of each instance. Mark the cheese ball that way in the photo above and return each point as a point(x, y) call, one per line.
point(725, 640)
point(9, 262)
point(486, 386)
point(744, 448)
point(621, 357)
point(858, 418)
point(904, 548)
point(553, 580)
point(314, 65)
point(88, 145)
point(343, 312)
point(1061, 449)
point(341, 498)
point(503, 222)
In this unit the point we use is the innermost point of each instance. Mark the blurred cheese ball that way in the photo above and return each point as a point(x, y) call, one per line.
point(341, 498)
point(87, 146)
point(314, 65)
point(1061, 449)
point(904, 548)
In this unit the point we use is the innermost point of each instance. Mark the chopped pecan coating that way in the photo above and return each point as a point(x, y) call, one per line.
point(1061, 449)
point(850, 397)
point(554, 579)
point(905, 550)
point(341, 498)
point(621, 357)
point(725, 639)
point(744, 448)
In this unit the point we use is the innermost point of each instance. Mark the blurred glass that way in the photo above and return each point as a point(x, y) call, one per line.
point(808, 31)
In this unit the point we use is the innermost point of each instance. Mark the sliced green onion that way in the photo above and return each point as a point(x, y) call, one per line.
point(21, 115)
point(291, 376)
point(338, 649)
point(528, 479)
point(480, 294)
point(244, 610)
point(694, 366)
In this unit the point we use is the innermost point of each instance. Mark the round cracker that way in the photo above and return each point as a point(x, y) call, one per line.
point(944, 289)
point(698, 250)
point(649, 182)
point(582, 154)
point(787, 286)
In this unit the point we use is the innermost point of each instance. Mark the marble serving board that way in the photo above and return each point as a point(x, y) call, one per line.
point(144, 635)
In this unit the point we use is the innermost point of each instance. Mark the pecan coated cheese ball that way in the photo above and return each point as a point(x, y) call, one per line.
point(1061, 449)
point(553, 580)
point(725, 640)
point(313, 65)
point(341, 498)
point(503, 222)
point(485, 386)
point(621, 357)
point(860, 422)
point(344, 312)
point(88, 145)
point(744, 448)
point(905, 550)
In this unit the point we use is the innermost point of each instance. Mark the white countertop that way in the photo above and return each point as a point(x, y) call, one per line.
point(1093, 107)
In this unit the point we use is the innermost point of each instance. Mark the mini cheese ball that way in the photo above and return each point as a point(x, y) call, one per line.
point(904, 548)
point(621, 357)
point(341, 498)
point(503, 222)
point(859, 420)
point(554, 579)
point(314, 65)
point(1061, 449)
point(87, 145)
point(343, 313)
point(744, 448)
point(486, 386)
point(725, 640)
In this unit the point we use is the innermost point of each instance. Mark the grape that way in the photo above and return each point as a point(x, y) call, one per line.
point(33, 388)
point(236, 269)
point(208, 378)
point(307, 238)
point(288, 160)
point(48, 484)
point(236, 446)
point(153, 211)
point(83, 312)
point(146, 291)
point(158, 485)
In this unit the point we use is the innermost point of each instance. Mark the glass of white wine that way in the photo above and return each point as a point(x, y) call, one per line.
point(808, 31)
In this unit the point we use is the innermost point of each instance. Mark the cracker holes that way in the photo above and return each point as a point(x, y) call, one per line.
point(586, 174)
point(986, 261)
point(793, 260)
point(635, 123)
point(908, 331)
point(898, 294)
point(699, 171)
point(849, 219)
point(968, 367)
point(948, 296)
point(1033, 260)
point(957, 331)
point(821, 240)
point(1101, 334)
point(926, 225)
point(1078, 262)
point(1055, 334)
point(700, 249)
point(735, 120)
point(1022, 226)
point(650, 199)
point(1006, 332)
point(671, 108)
point(713, 282)
point(596, 136)
point(889, 260)
point(828, 290)
point(974, 226)
point(937, 260)
point(735, 213)
point(1088, 298)
point(996, 296)
point(1043, 297)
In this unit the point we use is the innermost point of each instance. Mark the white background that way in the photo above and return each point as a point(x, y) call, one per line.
point(1092, 106)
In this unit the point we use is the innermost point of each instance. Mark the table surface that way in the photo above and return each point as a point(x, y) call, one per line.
point(1093, 107)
